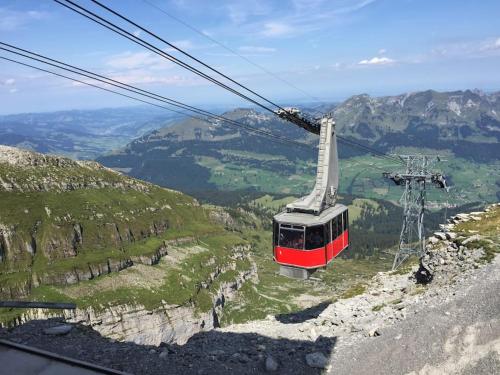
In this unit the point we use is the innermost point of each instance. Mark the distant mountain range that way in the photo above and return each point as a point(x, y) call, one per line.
point(458, 120)
point(194, 156)
point(82, 134)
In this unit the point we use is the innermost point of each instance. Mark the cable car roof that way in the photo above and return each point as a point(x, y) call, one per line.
point(299, 218)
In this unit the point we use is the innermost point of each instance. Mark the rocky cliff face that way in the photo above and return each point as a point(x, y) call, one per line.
point(165, 324)
point(65, 221)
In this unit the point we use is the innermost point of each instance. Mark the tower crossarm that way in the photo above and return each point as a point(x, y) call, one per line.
point(295, 116)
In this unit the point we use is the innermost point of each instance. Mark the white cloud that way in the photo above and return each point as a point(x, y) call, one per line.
point(276, 29)
point(273, 19)
point(490, 45)
point(144, 76)
point(12, 20)
point(257, 49)
point(357, 5)
point(184, 44)
point(382, 51)
point(337, 66)
point(467, 49)
point(146, 59)
point(13, 90)
point(137, 33)
point(135, 60)
point(240, 11)
point(377, 61)
point(147, 78)
point(8, 82)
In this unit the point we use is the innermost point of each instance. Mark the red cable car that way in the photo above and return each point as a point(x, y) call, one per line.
point(314, 229)
point(310, 242)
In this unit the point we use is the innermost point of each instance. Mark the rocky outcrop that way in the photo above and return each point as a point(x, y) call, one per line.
point(165, 324)
point(66, 242)
point(5, 234)
point(30, 171)
point(449, 253)
point(94, 270)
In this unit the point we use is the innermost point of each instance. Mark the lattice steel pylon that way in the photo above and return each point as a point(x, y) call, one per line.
point(415, 179)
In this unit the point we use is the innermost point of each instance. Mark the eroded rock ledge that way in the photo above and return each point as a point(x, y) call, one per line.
point(165, 324)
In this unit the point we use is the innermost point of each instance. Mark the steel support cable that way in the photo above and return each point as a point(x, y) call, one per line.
point(156, 50)
point(90, 84)
point(184, 52)
point(124, 86)
point(136, 90)
point(118, 30)
point(241, 125)
point(246, 127)
point(229, 49)
point(146, 93)
point(88, 74)
point(371, 150)
point(109, 25)
point(142, 92)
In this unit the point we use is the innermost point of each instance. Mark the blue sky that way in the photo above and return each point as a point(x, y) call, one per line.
point(330, 48)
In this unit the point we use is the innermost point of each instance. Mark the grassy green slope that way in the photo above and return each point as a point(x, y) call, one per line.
point(59, 218)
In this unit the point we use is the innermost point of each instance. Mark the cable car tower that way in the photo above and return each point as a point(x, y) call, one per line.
point(415, 179)
point(314, 229)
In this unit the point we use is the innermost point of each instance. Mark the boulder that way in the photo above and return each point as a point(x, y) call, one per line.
point(433, 240)
point(451, 236)
point(374, 332)
point(271, 364)
point(440, 235)
point(63, 329)
point(316, 360)
point(476, 237)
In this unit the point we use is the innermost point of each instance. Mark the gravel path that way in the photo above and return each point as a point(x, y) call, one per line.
point(455, 335)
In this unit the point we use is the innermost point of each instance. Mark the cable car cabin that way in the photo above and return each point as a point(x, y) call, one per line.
point(304, 242)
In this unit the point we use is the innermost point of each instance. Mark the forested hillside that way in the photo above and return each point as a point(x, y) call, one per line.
point(463, 127)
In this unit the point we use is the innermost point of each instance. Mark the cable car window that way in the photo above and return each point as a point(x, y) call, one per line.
point(291, 238)
point(328, 237)
point(338, 219)
point(334, 228)
point(315, 237)
point(345, 220)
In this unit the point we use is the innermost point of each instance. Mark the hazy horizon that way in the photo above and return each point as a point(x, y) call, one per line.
point(228, 107)
point(328, 50)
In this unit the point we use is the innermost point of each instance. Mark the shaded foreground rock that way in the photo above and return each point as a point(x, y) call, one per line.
point(58, 330)
point(271, 364)
point(165, 324)
point(210, 353)
point(317, 360)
